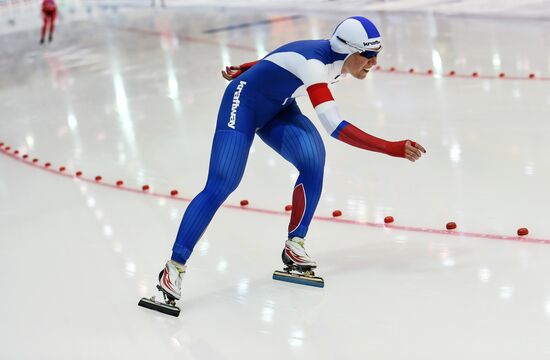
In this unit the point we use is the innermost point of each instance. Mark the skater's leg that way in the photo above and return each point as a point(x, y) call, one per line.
point(235, 130)
point(44, 26)
point(240, 112)
point(52, 24)
point(293, 136)
point(227, 163)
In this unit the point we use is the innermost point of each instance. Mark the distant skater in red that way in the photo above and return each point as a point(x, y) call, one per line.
point(49, 12)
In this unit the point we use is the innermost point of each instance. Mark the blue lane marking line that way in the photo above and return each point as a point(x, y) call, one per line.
point(251, 24)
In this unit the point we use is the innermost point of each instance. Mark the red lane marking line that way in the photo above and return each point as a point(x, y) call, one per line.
point(389, 70)
point(437, 231)
point(462, 76)
point(284, 213)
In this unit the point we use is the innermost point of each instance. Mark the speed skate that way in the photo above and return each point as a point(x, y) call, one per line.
point(292, 275)
point(170, 287)
point(167, 307)
point(299, 268)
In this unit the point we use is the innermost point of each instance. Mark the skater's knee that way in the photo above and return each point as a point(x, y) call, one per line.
point(220, 186)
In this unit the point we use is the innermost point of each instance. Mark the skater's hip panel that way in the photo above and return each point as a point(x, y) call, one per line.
point(244, 109)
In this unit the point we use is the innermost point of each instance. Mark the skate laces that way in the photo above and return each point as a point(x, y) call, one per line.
point(180, 268)
point(299, 242)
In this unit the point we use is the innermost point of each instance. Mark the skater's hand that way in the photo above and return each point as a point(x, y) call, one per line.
point(231, 72)
point(413, 150)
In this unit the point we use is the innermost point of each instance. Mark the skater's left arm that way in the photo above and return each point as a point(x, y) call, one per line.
point(327, 111)
point(231, 72)
point(354, 136)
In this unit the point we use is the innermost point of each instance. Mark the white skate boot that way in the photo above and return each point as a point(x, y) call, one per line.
point(299, 266)
point(170, 279)
point(170, 286)
point(295, 254)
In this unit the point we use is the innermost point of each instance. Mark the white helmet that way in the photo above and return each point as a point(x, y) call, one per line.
point(356, 34)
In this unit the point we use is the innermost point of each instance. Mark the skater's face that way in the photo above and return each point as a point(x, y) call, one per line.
point(358, 66)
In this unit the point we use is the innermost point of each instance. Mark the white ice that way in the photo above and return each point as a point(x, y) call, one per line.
point(131, 92)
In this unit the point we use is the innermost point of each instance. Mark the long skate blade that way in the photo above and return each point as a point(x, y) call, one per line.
point(298, 279)
point(158, 306)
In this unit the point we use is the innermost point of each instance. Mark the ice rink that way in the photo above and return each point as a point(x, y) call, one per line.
point(130, 92)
